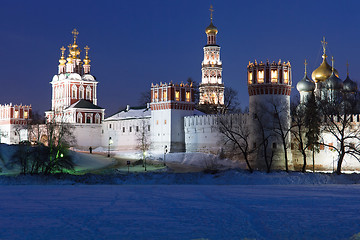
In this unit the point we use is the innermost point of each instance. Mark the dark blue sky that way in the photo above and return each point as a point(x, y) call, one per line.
point(135, 43)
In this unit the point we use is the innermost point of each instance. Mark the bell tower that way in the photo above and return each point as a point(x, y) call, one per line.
point(211, 86)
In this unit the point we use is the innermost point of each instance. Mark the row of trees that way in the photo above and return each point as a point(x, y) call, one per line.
point(310, 122)
point(48, 151)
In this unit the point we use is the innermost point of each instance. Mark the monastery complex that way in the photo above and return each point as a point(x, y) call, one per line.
point(172, 121)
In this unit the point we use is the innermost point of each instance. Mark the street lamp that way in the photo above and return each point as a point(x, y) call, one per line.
point(110, 142)
point(165, 151)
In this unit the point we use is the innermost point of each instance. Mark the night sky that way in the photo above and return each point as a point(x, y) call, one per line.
point(136, 43)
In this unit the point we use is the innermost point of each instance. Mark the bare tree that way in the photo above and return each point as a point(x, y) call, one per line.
point(236, 132)
point(338, 123)
point(143, 139)
point(282, 127)
point(145, 98)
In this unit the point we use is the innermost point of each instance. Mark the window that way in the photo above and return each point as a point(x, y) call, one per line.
point(97, 118)
point(165, 121)
point(16, 115)
point(88, 119)
point(73, 89)
point(274, 145)
point(81, 92)
point(155, 96)
point(286, 76)
point(79, 118)
point(164, 95)
point(110, 125)
point(261, 76)
point(188, 96)
point(322, 147)
point(137, 128)
point(331, 146)
point(250, 77)
point(88, 92)
point(273, 76)
point(123, 129)
point(26, 115)
point(177, 95)
point(130, 129)
point(149, 128)
point(157, 122)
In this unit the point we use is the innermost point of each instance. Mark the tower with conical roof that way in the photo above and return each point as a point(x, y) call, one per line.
point(211, 86)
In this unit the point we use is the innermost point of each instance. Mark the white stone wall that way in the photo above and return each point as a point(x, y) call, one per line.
point(124, 133)
point(87, 135)
point(168, 129)
point(202, 134)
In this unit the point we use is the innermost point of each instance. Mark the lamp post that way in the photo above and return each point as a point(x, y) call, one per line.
point(110, 142)
point(165, 151)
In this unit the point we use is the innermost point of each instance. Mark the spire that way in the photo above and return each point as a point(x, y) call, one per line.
point(332, 63)
point(305, 63)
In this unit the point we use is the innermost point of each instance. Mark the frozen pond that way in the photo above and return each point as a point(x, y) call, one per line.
point(179, 211)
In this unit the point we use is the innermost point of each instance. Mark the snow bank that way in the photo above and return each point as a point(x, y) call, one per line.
point(229, 177)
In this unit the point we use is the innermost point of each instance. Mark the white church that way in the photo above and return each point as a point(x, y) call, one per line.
point(170, 120)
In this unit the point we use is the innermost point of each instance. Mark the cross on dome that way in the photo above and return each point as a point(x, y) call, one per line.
point(211, 12)
point(305, 63)
point(75, 33)
point(324, 43)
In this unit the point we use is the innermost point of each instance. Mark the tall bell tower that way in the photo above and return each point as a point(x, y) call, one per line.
point(211, 86)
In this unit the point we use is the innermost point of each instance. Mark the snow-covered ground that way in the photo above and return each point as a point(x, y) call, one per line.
point(180, 212)
point(231, 204)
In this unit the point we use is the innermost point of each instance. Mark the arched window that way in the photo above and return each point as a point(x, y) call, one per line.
point(81, 92)
point(79, 118)
point(73, 91)
point(88, 92)
point(88, 118)
point(97, 118)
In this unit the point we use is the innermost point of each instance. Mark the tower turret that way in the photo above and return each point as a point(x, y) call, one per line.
point(269, 87)
point(211, 87)
point(87, 61)
point(62, 61)
point(305, 86)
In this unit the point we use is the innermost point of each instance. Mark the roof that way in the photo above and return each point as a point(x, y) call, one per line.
point(131, 113)
point(82, 103)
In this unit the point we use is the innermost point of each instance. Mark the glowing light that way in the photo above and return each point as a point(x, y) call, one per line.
point(250, 77)
point(177, 95)
point(260, 76)
point(286, 77)
point(273, 76)
point(188, 96)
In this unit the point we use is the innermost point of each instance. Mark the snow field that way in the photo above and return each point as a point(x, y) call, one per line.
point(180, 212)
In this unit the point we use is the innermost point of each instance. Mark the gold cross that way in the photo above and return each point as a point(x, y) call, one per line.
point(62, 51)
point(324, 43)
point(87, 49)
point(211, 12)
point(75, 33)
point(347, 68)
point(332, 61)
point(305, 66)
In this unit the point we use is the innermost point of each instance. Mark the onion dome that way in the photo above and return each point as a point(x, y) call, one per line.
point(324, 71)
point(333, 82)
point(211, 28)
point(349, 85)
point(306, 84)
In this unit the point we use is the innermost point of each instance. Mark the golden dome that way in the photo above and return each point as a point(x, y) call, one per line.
point(323, 72)
point(211, 29)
